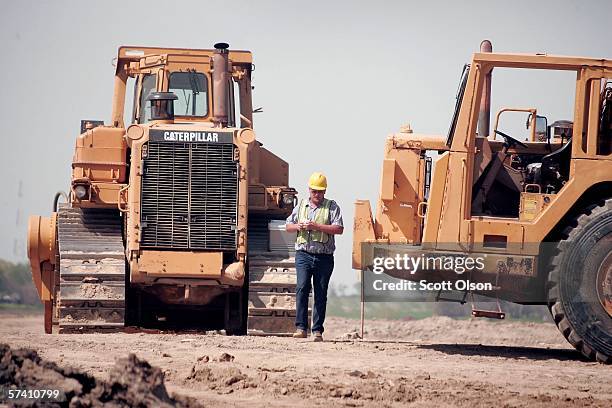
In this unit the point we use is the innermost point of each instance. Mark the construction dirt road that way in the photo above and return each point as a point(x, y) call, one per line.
point(431, 362)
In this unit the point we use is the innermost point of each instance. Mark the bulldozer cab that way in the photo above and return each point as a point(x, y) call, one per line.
point(188, 80)
point(187, 74)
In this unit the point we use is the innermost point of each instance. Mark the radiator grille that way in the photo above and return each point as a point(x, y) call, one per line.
point(189, 196)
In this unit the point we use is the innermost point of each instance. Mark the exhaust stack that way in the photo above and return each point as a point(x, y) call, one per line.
point(220, 78)
point(484, 117)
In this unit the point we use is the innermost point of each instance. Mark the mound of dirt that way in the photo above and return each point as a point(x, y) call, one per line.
point(132, 382)
point(215, 376)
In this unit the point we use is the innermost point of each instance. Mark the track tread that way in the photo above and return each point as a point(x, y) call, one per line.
point(92, 270)
point(271, 275)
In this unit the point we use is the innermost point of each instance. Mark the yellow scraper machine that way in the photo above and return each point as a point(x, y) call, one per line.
point(536, 209)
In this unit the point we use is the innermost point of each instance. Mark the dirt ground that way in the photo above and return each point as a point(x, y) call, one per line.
point(433, 362)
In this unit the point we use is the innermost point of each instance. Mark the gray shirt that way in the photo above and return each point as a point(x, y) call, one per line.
point(335, 218)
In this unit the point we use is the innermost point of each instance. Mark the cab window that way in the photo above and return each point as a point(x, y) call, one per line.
point(148, 86)
point(191, 88)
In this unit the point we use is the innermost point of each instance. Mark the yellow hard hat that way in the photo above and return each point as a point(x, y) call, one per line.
point(317, 181)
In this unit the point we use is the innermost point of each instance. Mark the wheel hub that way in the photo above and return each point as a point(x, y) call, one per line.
point(604, 284)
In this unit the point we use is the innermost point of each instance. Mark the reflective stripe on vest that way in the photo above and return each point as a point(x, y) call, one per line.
point(321, 217)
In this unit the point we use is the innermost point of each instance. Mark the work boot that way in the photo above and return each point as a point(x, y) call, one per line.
point(299, 334)
point(318, 336)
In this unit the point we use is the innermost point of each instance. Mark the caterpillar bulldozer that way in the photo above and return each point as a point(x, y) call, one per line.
point(537, 211)
point(167, 219)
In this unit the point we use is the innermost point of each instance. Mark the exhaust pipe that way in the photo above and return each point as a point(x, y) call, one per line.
point(484, 117)
point(220, 78)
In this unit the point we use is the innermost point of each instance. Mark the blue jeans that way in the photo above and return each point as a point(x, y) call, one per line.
point(318, 268)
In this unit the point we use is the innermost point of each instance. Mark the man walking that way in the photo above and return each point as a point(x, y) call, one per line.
point(316, 221)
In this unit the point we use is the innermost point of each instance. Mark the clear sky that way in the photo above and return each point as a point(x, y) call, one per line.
point(334, 79)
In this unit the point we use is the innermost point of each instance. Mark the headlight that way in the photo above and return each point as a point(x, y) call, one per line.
point(80, 191)
point(288, 199)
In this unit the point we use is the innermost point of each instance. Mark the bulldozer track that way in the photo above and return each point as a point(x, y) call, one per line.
point(92, 270)
point(272, 284)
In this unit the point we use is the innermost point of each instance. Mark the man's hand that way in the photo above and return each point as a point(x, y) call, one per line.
point(309, 226)
point(313, 226)
point(300, 226)
point(293, 227)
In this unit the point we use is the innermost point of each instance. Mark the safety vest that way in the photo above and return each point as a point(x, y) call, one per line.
point(321, 217)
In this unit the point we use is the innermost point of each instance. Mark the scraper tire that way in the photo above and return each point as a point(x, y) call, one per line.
point(574, 301)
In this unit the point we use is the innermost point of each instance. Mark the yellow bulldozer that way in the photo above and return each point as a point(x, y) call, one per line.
point(172, 219)
point(535, 215)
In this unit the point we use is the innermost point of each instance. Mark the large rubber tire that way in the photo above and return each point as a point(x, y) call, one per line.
point(573, 299)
